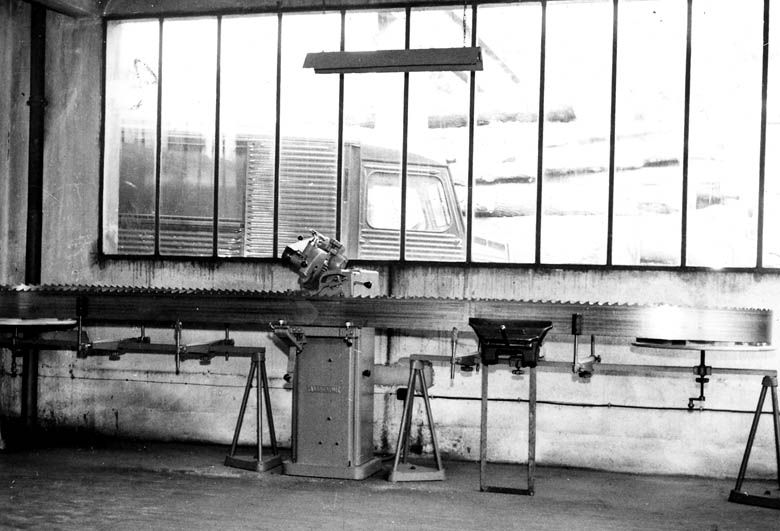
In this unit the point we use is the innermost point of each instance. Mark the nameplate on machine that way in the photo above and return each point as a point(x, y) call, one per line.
point(335, 389)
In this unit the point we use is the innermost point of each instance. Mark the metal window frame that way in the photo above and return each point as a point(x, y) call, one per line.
point(277, 135)
point(612, 134)
point(158, 139)
point(762, 141)
point(686, 138)
point(472, 128)
point(405, 141)
point(407, 7)
point(540, 138)
point(217, 116)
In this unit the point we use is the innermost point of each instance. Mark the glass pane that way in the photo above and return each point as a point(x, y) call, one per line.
point(726, 55)
point(506, 137)
point(772, 164)
point(649, 126)
point(373, 140)
point(426, 206)
point(132, 49)
point(309, 129)
point(247, 131)
point(189, 69)
point(438, 139)
point(578, 78)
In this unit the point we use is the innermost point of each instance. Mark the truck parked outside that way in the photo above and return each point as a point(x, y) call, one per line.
point(370, 208)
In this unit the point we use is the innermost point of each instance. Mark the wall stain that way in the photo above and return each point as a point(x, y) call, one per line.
point(384, 439)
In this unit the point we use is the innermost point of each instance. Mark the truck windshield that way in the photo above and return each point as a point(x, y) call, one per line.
point(426, 203)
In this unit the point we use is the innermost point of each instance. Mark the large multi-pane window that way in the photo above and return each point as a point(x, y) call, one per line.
point(599, 132)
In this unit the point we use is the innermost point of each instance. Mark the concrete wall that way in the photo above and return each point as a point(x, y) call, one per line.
point(631, 423)
point(14, 124)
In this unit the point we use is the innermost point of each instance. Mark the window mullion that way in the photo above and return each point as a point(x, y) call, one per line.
point(215, 235)
point(613, 108)
point(405, 141)
point(158, 143)
point(762, 144)
point(277, 136)
point(340, 137)
point(472, 124)
point(686, 132)
point(540, 145)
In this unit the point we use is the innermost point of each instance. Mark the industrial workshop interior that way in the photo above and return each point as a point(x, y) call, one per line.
point(389, 264)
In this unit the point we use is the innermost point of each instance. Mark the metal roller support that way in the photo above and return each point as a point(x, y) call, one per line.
point(582, 367)
point(737, 495)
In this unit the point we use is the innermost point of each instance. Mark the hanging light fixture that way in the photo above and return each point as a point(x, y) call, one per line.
point(413, 60)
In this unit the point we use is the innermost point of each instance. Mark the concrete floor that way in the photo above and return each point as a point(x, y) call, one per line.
point(125, 485)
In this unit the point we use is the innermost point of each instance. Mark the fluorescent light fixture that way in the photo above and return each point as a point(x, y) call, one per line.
point(415, 60)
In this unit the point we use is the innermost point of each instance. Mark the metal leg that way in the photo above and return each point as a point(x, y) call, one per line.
point(2, 373)
point(776, 419)
point(30, 390)
point(242, 409)
point(483, 430)
point(435, 443)
point(296, 389)
point(737, 495)
point(402, 432)
point(409, 404)
point(531, 429)
point(268, 413)
point(259, 412)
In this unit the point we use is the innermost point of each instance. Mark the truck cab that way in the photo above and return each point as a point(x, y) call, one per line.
point(371, 208)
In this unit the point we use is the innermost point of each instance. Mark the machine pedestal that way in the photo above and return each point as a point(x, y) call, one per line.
point(333, 404)
point(361, 471)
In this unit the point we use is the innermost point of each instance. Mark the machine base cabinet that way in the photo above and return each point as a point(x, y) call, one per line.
point(333, 405)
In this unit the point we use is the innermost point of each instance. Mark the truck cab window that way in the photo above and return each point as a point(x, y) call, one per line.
point(427, 208)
